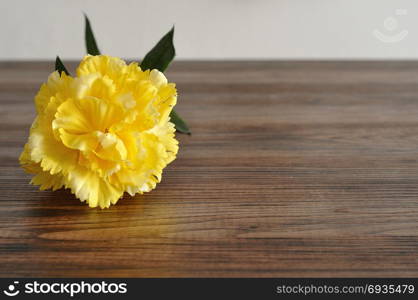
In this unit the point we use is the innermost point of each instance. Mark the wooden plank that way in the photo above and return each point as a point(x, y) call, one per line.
point(293, 169)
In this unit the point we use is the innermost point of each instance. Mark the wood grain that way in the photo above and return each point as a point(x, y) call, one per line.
point(293, 169)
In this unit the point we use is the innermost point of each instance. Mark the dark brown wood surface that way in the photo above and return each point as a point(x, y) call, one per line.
point(293, 169)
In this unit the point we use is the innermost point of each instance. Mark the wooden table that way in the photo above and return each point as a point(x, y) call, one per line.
point(293, 169)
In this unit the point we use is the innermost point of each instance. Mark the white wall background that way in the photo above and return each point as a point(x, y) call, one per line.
point(212, 29)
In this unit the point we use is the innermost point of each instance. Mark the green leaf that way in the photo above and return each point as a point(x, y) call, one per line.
point(161, 55)
point(59, 66)
point(91, 45)
point(159, 58)
point(179, 123)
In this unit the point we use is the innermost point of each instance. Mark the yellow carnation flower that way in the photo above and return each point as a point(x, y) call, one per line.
point(102, 133)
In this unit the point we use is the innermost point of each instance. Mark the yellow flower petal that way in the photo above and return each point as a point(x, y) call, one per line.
point(44, 179)
point(52, 155)
point(80, 116)
point(89, 187)
point(82, 142)
point(55, 85)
